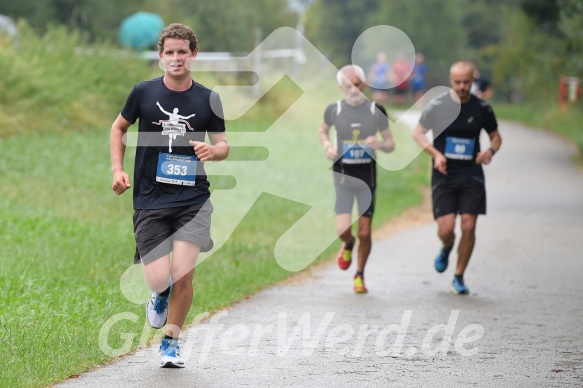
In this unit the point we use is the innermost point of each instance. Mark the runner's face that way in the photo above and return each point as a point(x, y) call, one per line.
point(177, 57)
point(353, 88)
point(461, 82)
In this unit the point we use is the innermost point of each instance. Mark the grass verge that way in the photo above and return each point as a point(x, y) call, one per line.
point(567, 123)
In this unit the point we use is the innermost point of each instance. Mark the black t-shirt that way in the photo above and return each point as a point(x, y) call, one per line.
point(460, 140)
point(353, 125)
point(167, 121)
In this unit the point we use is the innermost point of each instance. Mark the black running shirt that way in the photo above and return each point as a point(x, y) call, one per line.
point(167, 121)
point(460, 141)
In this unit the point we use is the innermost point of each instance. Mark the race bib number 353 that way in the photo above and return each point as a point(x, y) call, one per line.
point(176, 169)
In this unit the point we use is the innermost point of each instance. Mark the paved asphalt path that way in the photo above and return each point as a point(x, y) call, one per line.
point(521, 326)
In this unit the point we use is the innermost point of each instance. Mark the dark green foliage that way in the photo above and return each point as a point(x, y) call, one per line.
point(333, 26)
point(100, 20)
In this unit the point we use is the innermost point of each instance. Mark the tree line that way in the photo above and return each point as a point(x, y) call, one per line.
point(522, 45)
point(222, 25)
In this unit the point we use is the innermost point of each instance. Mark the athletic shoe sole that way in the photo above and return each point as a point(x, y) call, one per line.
point(171, 362)
point(454, 291)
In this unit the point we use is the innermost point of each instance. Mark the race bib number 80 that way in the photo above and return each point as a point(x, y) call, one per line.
point(459, 148)
point(176, 169)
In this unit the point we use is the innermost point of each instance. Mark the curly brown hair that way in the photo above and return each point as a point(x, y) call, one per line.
point(178, 31)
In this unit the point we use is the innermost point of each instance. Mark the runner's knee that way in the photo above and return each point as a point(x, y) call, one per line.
point(468, 226)
point(364, 234)
point(157, 283)
point(183, 282)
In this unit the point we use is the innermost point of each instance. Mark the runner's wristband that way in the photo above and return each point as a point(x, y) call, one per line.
point(492, 151)
point(326, 145)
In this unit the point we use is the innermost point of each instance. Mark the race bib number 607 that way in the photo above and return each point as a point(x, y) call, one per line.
point(356, 152)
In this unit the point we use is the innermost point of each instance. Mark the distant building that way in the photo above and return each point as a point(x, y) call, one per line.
point(7, 26)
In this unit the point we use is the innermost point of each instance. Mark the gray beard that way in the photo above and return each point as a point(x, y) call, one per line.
point(356, 100)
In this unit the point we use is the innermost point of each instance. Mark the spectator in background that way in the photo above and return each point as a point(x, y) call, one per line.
point(418, 77)
point(481, 87)
point(379, 79)
point(399, 75)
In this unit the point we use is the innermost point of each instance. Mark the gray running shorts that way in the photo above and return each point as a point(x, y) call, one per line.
point(346, 194)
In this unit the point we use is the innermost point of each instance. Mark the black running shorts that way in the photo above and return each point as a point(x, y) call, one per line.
point(156, 229)
point(459, 195)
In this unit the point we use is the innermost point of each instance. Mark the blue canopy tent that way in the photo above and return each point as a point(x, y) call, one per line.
point(141, 30)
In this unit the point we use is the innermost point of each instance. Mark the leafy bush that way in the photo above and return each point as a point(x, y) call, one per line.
point(58, 82)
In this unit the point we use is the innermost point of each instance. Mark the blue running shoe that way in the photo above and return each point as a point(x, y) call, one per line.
point(458, 286)
point(442, 260)
point(157, 309)
point(170, 352)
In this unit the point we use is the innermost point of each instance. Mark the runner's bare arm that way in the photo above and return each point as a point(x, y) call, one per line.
point(439, 161)
point(217, 150)
point(329, 149)
point(386, 145)
point(485, 157)
point(121, 180)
